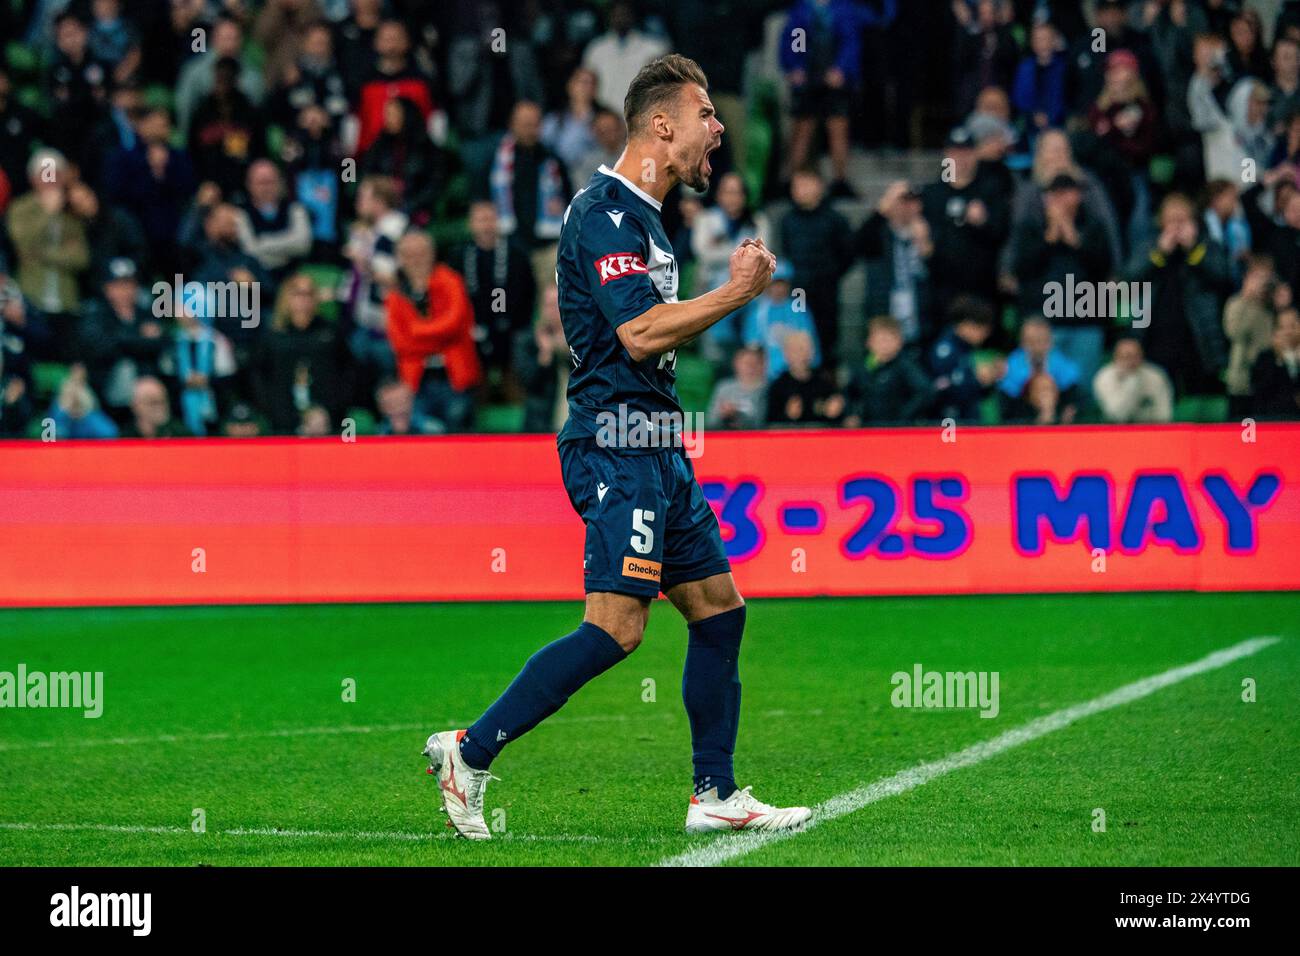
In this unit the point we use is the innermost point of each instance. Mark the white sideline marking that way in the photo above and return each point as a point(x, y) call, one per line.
point(426, 727)
point(730, 846)
point(389, 835)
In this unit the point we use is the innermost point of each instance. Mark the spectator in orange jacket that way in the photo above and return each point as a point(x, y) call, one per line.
point(431, 328)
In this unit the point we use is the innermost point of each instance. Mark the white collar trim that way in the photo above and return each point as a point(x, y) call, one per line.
point(632, 186)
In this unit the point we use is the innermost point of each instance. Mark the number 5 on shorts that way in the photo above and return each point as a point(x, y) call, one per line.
point(643, 540)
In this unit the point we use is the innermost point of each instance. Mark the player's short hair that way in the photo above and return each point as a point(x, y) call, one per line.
point(658, 83)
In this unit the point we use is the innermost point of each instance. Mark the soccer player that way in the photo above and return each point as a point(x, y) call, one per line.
point(648, 525)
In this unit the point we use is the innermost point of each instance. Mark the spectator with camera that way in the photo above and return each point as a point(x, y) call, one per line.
point(1054, 157)
point(75, 412)
point(1070, 248)
point(111, 232)
point(1190, 279)
point(895, 241)
point(969, 220)
point(51, 247)
point(1248, 325)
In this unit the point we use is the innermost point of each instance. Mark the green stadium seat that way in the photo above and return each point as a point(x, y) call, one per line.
point(449, 233)
point(365, 421)
point(33, 97)
point(328, 279)
point(1162, 170)
point(694, 381)
point(760, 136)
point(158, 95)
point(24, 62)
point(47, 377)
point(252, 54)
point(500, 419)
point(686, 280)
point(1011, 321)
point(275, 140)
point(1201, 408)
point(990, 411)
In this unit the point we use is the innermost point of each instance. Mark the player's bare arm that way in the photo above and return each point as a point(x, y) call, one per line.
point(670, 324)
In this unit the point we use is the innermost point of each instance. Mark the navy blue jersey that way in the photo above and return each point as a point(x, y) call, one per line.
point(614, 263)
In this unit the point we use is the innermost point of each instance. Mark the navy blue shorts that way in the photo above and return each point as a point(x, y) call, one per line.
point(648, 525)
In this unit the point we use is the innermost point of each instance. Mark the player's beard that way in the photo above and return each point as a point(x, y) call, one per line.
point(699, 180)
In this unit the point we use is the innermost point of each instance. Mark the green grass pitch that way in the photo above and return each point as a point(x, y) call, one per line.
point(239, 712)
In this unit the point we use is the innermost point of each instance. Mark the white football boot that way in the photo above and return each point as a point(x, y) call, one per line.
point(460, 785)
point(740, 811)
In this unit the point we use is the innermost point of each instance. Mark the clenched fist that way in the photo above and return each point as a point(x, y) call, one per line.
point(752, 266)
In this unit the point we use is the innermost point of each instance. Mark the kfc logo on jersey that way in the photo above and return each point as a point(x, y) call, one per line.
point(620, 264)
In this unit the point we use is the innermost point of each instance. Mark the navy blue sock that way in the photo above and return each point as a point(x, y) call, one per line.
point(711, 691)
point(539, 690)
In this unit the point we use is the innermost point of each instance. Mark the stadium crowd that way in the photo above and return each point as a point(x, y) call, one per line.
point(1109, 231)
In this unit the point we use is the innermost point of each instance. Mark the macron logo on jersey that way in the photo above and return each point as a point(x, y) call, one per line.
point(616, 218)
point(619, 265)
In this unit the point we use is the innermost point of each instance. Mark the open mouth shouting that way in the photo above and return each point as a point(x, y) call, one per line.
point(706, 168)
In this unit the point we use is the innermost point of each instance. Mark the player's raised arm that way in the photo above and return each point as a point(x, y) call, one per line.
point(665, 326)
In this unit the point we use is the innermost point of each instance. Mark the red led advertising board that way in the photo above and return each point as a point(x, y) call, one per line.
point(906, 511)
